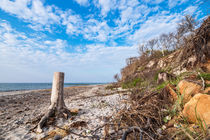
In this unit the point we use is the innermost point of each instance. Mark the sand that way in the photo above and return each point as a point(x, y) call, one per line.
point(95, 104)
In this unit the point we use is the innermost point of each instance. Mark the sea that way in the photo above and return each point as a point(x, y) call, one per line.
point(4, 87)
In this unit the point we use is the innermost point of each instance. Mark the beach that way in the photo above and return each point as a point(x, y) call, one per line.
point(19, 111)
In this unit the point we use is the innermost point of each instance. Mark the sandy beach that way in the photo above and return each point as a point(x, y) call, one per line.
point(93, 104)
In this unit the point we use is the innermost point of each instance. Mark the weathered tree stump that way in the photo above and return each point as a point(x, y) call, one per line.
point(57, 106)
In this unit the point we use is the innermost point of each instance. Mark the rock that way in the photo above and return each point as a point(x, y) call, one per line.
point(74, 111)
point(198, 107)
point(159, 131)
point(207, 90)
point(192, 60)
point(2, 100)
point(171, 90)
point(188, 89)
point(161, 64)
point(162, 77)
point(57, 137)
point(179, 70)
point(18, 122)
point(150, 64)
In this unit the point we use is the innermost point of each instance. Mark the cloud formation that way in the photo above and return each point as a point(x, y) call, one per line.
point(31, 55)
point(132, 14)
point(109, 31)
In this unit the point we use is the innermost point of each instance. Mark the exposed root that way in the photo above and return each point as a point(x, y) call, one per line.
point(57, 107)
point(130, 130)
point(144, 116)
point(52, 112)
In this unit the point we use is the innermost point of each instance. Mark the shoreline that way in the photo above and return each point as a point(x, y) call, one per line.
point(18, 92)
point(66, 85)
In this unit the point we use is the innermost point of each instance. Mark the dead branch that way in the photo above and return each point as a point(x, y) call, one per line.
point(133, 129)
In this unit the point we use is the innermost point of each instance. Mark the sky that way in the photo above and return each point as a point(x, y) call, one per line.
point(89, 40)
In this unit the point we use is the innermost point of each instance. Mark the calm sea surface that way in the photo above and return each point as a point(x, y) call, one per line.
point(33, 86)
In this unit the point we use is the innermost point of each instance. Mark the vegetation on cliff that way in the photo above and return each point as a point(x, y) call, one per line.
point(156, 102)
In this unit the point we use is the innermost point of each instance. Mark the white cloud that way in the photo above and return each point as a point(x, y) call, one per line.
point(73, 23)
point(155, 26)
point(38, 59)
point(190, 10)
point(40, 56)
point(82, 2)
point(43, 17)
point(158, 24)
point(105, 5)
point(173, 3)
point(95, 30)
point(31, 11)
point(132, 14)
point(154, 1)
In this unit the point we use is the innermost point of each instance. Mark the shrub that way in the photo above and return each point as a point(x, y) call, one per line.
point(133, 83)
point(161, 86)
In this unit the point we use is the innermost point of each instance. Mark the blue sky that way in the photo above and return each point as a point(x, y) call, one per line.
point(89, 40)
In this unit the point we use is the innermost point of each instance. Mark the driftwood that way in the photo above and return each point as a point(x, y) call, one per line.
point(57, 107)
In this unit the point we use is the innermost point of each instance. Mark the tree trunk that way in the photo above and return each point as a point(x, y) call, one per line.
point(57, 106)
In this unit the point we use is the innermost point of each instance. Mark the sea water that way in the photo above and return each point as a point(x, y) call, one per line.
point(33, 86)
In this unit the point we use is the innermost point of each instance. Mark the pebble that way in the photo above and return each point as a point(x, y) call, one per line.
point(19, 122)
point(57, 137)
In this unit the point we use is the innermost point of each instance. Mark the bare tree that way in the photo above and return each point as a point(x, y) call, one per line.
point(142, 49)
point(172, 41)
point(187, 25)
point(151, 45)
point(163, 42)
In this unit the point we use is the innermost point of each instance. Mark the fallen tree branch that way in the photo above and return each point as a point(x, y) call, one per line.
point(132, 129)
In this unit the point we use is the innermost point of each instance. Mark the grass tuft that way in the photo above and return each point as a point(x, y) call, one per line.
point(131, 84)
point(205, 76)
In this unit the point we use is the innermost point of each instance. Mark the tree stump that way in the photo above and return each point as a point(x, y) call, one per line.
point(57, 106)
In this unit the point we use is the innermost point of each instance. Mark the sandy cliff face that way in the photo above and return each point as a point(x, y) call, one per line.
point(195, 53)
